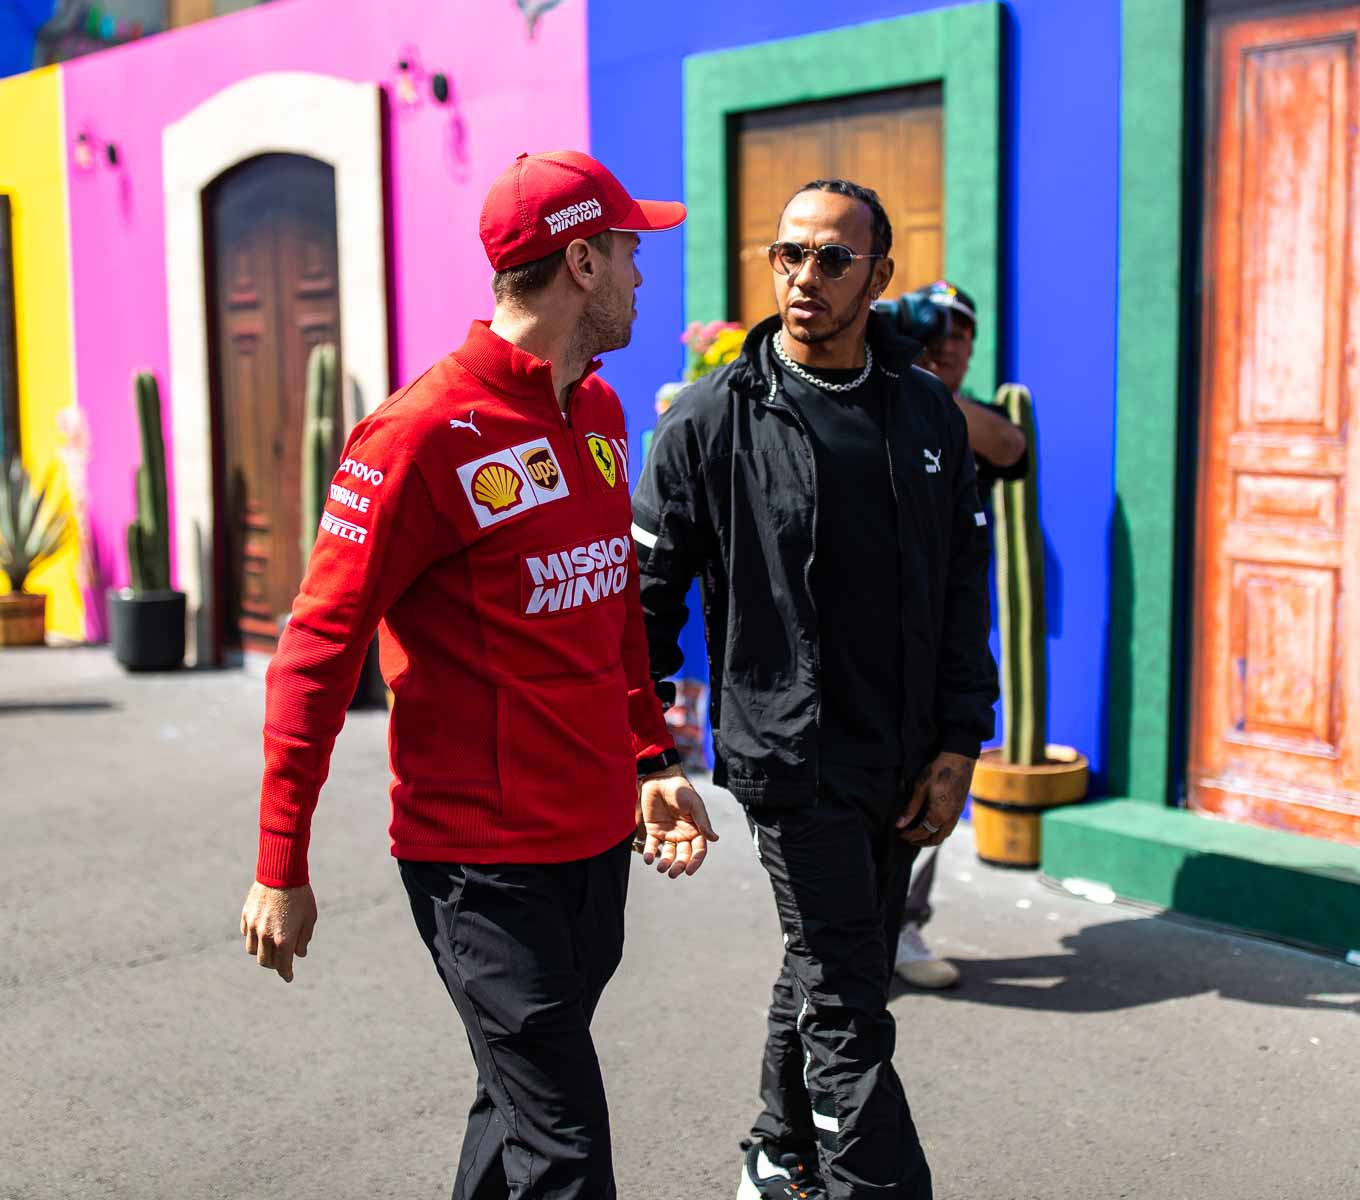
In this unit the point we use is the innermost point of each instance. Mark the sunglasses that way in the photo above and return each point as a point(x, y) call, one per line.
point(833, 261)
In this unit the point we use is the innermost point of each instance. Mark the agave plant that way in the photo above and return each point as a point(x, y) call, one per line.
point(32, 527)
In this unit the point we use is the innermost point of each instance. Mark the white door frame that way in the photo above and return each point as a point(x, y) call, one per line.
point(338, 122)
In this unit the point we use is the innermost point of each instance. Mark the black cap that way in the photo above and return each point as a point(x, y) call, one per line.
point(946, 295)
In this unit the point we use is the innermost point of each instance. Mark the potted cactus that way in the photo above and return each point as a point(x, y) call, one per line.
point(146, 620)
point(1015, 784)
point(320, 438)
point(32, 530)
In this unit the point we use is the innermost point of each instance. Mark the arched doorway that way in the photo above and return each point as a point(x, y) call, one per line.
point(273, 294)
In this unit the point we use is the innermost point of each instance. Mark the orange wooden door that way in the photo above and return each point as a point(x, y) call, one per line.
point(889, 141)
point(1276, 701)
point(273, 238)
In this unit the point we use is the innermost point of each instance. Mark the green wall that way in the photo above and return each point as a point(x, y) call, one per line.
point(958, 47)
point(1143, 598)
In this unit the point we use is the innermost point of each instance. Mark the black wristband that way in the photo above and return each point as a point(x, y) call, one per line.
point(658, 762)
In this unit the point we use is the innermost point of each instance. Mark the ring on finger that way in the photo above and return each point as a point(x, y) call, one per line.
point(929, 828)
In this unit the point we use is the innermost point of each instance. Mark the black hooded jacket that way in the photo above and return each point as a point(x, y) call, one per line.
point(729, 493)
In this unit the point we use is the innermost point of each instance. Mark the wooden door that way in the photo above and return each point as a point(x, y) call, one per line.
point(276, 291)
point(186, 12)
point(889, 141)
point(1276, 690)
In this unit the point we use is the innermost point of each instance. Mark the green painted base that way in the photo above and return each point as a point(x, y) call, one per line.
point(1282, 885)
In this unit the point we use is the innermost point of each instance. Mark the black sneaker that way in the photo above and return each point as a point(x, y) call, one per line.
point(783, 1177)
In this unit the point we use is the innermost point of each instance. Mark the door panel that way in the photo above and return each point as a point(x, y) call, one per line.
point(889, 141)
point(1277, 607)
point(1283, 617)
point(272, 233)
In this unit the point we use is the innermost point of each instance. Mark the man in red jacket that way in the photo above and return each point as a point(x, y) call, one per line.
point(480, 518)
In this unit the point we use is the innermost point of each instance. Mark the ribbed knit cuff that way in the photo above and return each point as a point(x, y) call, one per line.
point(282, 860)
point(651, 734)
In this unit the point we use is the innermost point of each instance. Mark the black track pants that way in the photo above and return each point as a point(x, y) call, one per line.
point(840, 875)
point(525, 950)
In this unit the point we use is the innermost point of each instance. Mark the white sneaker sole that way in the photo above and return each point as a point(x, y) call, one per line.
point(934, 975)
point(746, 1190)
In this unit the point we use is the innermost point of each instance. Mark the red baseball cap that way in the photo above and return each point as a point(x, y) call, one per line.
point(546, 201)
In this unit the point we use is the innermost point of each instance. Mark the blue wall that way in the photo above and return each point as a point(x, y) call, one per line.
point(1060, 233)
point(20, 21)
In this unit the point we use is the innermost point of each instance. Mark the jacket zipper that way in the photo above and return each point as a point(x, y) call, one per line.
point(807, 567)
point(901, 608)
point(571, 436)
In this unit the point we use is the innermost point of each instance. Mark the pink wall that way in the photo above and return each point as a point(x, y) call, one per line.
point(512, 93)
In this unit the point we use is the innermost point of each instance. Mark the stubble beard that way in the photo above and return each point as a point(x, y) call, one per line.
point(840, 324)
point(606, 324)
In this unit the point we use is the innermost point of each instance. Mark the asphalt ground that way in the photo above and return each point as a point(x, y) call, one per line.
point(1092, 1050)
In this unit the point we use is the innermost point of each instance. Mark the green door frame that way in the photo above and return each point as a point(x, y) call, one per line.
point(1141, 699)
point(961, 48)
point(958, 47)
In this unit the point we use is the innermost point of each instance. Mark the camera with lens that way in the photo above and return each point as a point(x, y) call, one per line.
point(917, 315)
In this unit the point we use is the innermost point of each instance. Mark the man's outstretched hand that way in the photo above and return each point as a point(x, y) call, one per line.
point(937, 800)
point(673, 824)
point(277, 923)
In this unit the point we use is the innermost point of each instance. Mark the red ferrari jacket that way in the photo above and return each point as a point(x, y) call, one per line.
point(490, 537)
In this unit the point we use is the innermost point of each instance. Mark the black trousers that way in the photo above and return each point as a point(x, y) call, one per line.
point(840, 875)
point(525, 950)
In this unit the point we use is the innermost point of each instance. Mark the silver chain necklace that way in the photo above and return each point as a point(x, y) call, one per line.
point(782, 354)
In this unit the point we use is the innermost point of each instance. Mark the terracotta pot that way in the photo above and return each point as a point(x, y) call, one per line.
point(1009, 800)
point(23, 619)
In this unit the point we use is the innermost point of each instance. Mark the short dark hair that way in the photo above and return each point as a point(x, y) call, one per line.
point(521, 282)
point(882, 227)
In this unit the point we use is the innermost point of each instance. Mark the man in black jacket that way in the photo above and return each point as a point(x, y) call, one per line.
point(822, 489)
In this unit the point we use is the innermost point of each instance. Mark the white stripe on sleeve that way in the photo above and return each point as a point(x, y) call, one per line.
point(642, 537)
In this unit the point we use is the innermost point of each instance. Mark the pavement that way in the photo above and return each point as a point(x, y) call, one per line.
point(1091, 1051)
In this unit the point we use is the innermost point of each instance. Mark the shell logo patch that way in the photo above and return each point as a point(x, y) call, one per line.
point(603, 456)
point(496, 486)
point(512, 481)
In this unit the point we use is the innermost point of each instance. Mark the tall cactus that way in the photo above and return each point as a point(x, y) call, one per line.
point(318, 439)
point(148, 537)
point(1020, 586)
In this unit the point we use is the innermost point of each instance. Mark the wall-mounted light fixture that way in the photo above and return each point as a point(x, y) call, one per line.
point(533, 11)
point(87, 150)
point(410, 80)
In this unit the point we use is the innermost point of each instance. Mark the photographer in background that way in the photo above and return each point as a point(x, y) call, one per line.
point(944, 318)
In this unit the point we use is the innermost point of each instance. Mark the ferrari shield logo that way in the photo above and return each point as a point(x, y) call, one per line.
point(604, 457)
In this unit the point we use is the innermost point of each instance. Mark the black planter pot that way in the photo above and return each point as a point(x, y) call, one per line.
point(146, 629)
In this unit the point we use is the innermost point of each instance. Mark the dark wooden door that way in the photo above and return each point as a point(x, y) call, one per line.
point(1276, 701)
point(275, 284)
point(889, 141)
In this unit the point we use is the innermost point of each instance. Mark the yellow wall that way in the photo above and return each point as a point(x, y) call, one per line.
point(33, 174)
